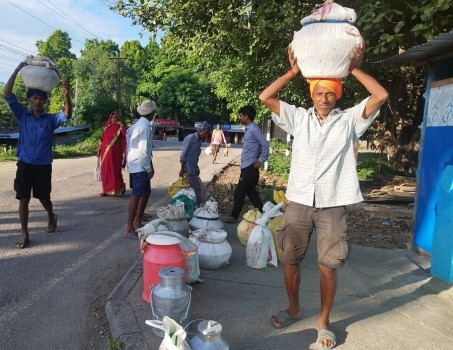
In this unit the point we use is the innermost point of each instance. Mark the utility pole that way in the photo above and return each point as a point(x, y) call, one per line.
point(94, 83)
point(75, 101)
point(118, 92)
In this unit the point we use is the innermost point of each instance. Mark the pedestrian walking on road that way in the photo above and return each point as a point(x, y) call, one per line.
point(140, 166)
point(322, 181)
point(255, 150)
point(216, 140)
point(191, 149)
point(34, 151)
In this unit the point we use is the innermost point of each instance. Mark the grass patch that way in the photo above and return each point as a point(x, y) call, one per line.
point(370, 164)
point(115, 344)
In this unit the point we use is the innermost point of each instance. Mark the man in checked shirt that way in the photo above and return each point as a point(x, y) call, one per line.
point(322, 181)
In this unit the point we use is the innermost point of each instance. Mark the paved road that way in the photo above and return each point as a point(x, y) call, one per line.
point(52, 294)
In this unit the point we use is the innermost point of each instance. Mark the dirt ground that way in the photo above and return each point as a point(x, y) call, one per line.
point(372, 223)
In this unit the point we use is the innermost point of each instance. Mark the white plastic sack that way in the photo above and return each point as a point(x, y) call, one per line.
point(176, 217)
point(208, 151)
point(40, 73)
point(260, 250)
point(153, 227)
point(175, 335)
point(269, 207)
point(214, 251)
point(322, 48)
point(212, 205)
point(189, 192)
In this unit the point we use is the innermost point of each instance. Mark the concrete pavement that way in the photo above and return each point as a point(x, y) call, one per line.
point(386, 299)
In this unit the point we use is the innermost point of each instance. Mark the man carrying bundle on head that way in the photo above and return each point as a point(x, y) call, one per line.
point(34, 151)
point(322, 181)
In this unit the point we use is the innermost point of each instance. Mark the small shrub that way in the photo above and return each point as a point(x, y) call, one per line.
point(115, 344)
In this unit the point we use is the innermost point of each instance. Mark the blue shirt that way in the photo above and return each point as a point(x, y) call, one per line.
point(35, 136)
point(255, 147)
point(191, 149)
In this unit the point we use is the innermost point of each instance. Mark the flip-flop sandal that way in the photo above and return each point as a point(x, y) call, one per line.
point(53, 226)
point(325, 334)
point(285, 318)
point(133, 235)
point(22, 244)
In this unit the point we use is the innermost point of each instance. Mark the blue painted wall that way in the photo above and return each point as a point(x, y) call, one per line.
point(436, 154)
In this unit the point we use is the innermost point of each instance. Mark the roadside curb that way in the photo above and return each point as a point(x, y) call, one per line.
point(122, 320)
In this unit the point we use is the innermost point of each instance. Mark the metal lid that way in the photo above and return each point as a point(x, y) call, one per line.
point(171, 272)
point(162, 240)
point(209, 328)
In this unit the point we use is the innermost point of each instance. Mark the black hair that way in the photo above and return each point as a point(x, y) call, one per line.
point(249, 111)
point(36, 92)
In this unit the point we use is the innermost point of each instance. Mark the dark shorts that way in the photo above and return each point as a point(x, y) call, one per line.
point(330, 226)
point(215, 148)
point(36, 177)
point(140, 184)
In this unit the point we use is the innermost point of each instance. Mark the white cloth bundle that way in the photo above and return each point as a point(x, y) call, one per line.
point(205, 217)
point(325, 42)
point(176, 217)
point(214, 251)
point(260, 249)
point(40, 73)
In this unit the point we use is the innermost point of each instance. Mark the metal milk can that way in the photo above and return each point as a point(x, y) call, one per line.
point(171, 297)
point(209, 337)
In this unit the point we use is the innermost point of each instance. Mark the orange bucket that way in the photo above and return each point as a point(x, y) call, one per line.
point(160, 251)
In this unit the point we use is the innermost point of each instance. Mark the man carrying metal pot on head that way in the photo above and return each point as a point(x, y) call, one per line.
point(322, 181)
point(34, 151)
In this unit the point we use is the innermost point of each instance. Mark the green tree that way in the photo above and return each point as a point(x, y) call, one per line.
point(243, 44)
point(182, 97)
point(57, 46)
point(99, 59)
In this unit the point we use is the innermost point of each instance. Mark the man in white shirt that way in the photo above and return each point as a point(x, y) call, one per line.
point(322, 181)
point(140, 166)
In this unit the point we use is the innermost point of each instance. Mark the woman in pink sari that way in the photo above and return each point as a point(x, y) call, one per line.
point(112, 153)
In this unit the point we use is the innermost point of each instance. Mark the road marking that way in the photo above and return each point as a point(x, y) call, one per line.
point(17, 308)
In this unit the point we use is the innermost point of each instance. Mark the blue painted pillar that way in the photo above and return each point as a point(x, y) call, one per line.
point(442, 248)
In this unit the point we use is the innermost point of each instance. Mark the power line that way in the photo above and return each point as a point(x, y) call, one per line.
point(39, 19)
point(67, 17)
point(17, 46)
point(11, 50)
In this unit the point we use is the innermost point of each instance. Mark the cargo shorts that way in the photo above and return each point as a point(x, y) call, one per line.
point(330, 225)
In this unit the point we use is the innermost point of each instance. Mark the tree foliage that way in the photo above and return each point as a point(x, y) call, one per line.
point(243, 46)
point(57, 46)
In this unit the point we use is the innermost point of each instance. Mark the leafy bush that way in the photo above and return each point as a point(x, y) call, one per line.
point(279, 164)
point(370, 164)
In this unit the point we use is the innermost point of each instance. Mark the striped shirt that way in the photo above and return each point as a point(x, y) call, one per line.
point(323, 166)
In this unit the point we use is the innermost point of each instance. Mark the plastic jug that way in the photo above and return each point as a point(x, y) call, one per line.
point(160, 252)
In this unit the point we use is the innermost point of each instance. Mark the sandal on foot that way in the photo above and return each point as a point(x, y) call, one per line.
point(53, 226)
point(285, 319)
point(326, 334)
point(22, 244)
point(132, 235)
